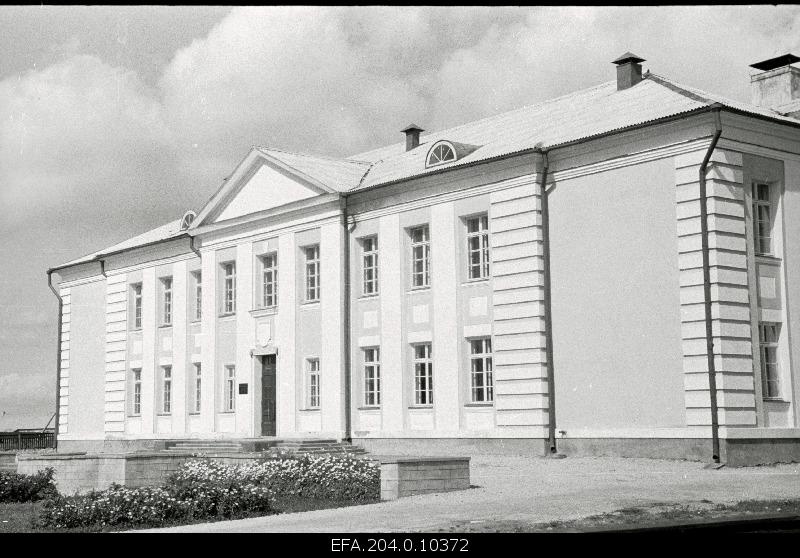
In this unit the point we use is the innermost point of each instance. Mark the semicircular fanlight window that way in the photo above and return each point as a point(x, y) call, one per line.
point(441, 153)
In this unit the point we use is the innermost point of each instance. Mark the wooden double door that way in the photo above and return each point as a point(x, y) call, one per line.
point(268, 395)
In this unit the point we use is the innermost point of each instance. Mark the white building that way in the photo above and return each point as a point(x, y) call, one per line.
point(426, 297)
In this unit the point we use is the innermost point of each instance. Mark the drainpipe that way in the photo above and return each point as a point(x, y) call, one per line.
point(103, 268)
point(548, 311)
point(346, 326)
point(192, 248)
point(712, 379)
point(58, 354)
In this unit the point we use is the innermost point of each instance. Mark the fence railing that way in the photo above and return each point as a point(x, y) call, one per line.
point(26, 440)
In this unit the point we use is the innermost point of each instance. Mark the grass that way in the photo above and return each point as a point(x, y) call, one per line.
point(21, 518)
point(643, 516)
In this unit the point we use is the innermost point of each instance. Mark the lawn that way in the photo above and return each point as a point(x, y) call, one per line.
point(19, 518)
point(653, 515)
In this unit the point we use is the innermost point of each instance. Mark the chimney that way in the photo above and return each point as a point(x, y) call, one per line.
point(776, 84)
point(629, 70)
point(412, 136)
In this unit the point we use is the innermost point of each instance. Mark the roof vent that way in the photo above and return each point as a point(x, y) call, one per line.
point(412, 136)
point(187, 219)
point(629, 70)
point(776, 84)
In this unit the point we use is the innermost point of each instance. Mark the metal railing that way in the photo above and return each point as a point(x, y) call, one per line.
point(26, 440)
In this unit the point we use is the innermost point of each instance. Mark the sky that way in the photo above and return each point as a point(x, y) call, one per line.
point(114, 120)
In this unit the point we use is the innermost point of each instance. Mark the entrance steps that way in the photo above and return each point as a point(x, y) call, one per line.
point(275, 446)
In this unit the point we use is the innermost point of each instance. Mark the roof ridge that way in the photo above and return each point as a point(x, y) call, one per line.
point(678, 88)
point(303, 154)
point(504, 113)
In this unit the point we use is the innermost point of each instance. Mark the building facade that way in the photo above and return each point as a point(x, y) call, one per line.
point(530, 280)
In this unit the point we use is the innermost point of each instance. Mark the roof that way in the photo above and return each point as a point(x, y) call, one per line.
point(777, 62)
point(158, 234)
point(578, 116)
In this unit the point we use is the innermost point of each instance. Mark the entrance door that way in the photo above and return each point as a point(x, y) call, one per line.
point(268, 425)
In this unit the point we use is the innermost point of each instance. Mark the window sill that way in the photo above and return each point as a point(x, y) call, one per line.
point(227, 412)
point(163, 414)
point(370, 408)
point(266, 311)
point(135, 329)
point(165, 326)
point(227, 315)
point(196, 322)
point(472, 282)
point(479, 405)
point(417, 290)
point(768, 258)
point(310, 410)
point(423, 407)
point(135, 416)
point(368, 296)
point(194, 414)
point(309, 303)
point(775, 400)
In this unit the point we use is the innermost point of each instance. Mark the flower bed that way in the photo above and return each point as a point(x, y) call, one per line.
point(207, 489)
point(15, 487)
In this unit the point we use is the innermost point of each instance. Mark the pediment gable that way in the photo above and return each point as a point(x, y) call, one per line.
point(258, 184)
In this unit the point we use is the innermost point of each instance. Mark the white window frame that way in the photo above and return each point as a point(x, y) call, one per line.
point(422, 360)
point(312, 383)
point(196, 389)
point(166, 301)
point(369, 265)
point(136, 294)
point(228, 288)
point(759, 239)
point(269, 280)
point(165, 390)
point(768, 346)
point(229, 389)
point(481, 366)
point(372, 376)
point(440, 153)
point(312, 273)
point(480, 270)
point(197, 278)
point(136, 392)
point(420, 254)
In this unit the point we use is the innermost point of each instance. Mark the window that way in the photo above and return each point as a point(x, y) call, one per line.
point(198, 295)
point(369, 247)
point(480, 363)
point(229, 288)
point(768, 345)
point(269, 280)
point(478, 247)
point(441, 153)
point(762, 218)
point(166, 390)
point(423, 375)
point(196, 389)
point(312, 383)
point(420, 257)
point(312, 273)
point(229, 390)
point(372, 377)
point(166, 301)
point(137, 305)
point(136, 392)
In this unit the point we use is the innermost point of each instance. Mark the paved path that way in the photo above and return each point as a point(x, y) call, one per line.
point(538, 490)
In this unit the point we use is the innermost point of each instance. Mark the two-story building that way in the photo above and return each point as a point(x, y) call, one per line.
point(612, 271)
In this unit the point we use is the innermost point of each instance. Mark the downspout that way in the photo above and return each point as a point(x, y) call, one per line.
point(548, 311)
point(58, 354)
point(193, 249)
point(712, 379)
point(346, 326)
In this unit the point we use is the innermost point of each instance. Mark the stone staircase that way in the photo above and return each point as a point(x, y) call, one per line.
point(269, 446)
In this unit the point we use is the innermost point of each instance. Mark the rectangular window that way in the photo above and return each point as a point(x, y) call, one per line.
point(762, 218)
point(269, 280)
point(196, 389)
point(136, 391)
point(166, 301)
point(770, 372)
point(312, 273)
point(136, 290)
point(420, 257)
point(480, 363)
point(423, 375)
point(369, 247)
point(166, 390)
point(372, 377)
point(478, 247)
point(312, 383)
point(229, 288)
point(198, 295)
point(229, 391)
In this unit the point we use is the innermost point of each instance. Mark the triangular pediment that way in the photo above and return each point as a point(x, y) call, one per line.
point(259, 183)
